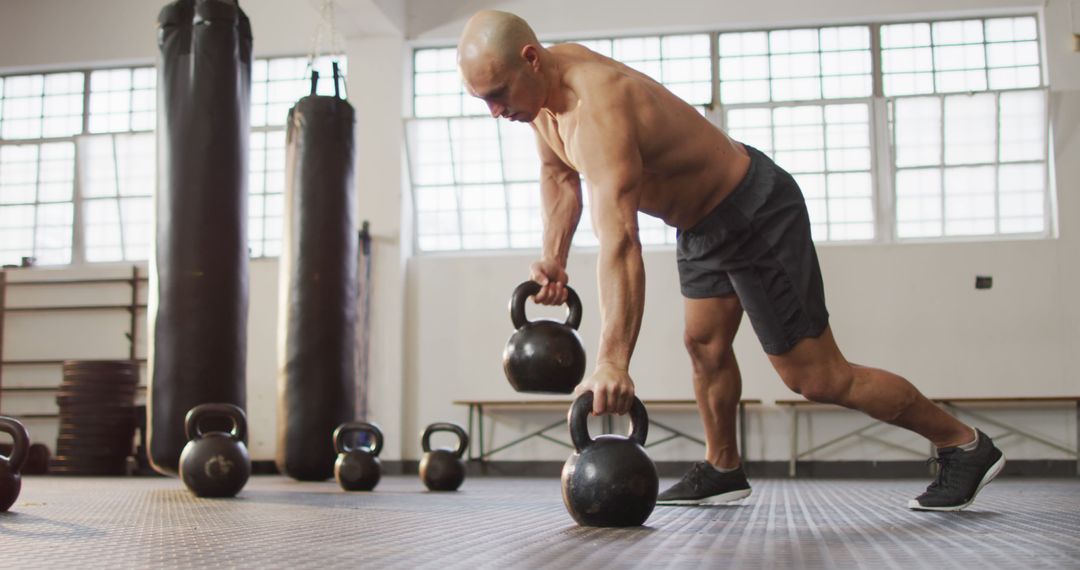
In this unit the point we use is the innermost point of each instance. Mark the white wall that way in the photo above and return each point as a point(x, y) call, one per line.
point(440, 322)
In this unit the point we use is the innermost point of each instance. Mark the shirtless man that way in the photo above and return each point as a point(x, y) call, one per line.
point(744, 244)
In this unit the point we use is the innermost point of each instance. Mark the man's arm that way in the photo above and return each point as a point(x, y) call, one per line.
point(560, 198)
point(611, 160)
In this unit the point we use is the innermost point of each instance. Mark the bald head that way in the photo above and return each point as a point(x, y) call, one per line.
point(502, 63)
point(494, 38)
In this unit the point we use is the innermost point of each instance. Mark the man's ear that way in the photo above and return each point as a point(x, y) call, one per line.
point(531, 55)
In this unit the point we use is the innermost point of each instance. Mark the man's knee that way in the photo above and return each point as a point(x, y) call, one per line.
point(827, 385)
point(707, 353)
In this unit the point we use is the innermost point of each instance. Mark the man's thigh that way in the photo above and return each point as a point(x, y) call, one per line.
point(712, 320)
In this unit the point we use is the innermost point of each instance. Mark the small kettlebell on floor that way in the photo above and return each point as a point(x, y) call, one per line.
point(443, 469)
point(216, 463)
point(609, 480)
point(357, 468)
point(11, 466)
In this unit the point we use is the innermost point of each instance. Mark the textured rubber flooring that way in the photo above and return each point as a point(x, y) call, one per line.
point(81, 523)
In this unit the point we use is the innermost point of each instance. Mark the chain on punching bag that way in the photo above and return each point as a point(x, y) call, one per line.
point(199, 270)
point(318, 276)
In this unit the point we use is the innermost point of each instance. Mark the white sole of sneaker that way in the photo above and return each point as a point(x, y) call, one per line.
point(990, 474)
point(720, 499)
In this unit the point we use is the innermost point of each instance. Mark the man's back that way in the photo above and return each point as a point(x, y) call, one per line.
point(688, 165)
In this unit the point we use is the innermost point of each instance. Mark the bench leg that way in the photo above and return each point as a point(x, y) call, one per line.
point(480, 421)
point(472, 453)
point(742, 432)
point(794, 441)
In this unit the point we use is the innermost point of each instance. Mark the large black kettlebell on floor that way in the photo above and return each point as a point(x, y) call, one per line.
point(443, 469)
point(544, 356)
point(357, 468)
point(215, 463)
point(609, 480)
point(11, 466)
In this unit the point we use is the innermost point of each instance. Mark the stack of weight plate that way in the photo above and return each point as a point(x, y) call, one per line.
point(97, 417)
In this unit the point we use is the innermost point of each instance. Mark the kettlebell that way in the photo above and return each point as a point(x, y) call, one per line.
point(544, 356)
point(11, 466)
point(609, 480)
point(215, 463)
point(443, 469)
point(357, 468)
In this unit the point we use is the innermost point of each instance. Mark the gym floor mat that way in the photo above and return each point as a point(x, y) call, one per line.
point(496, 522)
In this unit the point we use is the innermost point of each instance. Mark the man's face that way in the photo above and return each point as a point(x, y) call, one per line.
point(514, 94)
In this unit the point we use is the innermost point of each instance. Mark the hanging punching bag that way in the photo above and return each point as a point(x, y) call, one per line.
point(317, 305)
point(199, 273)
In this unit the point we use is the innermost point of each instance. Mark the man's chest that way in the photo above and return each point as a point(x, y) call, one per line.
point(560, 134)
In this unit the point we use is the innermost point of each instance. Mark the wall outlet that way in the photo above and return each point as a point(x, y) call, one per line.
point(984, 281)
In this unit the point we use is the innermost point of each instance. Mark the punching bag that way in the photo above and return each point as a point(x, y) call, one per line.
point(318, 286)
point(199, 272)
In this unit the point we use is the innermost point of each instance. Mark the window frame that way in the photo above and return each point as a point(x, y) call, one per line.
point(78, 242)
point(883, 169)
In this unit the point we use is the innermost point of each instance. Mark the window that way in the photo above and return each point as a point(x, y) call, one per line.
point(275, 85)
point(970, 164)
point(898, 131)
point(36, 209)
point(774, 86)
point(792, 65)
point(41, 106)
point(475, 181)
point(52, 144)
point(958, 56)
point(117, 195)
point(117, 165)
point(38, 115)
point(969, 135)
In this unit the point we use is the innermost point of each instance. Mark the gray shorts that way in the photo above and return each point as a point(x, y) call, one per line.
point(756, 244)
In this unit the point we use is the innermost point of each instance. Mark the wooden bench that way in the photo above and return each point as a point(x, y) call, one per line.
point(958, 406)
point(477, 411)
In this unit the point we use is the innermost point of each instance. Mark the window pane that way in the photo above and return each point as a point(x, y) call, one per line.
point(960, 56)
point(18, 174)
point(970, 129)
point(753, 127)
point(122, 100)
point(917, 131)
point(521, 162)
point(969, 200)
point(266, 185)
point(798, 64)
point(827, 150)
point(118, 183)
point(1022, 190)
point(52, 233)
point(279, 82)
point(56, 172)
point(918, 203)
point(22, 107)
point(1023, 126)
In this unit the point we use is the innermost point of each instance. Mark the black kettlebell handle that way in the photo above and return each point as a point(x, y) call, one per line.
point(579, 421)
point(358, 427)
point(463, 438)
point(20, 443)
point(230, 411)
point(530, 288)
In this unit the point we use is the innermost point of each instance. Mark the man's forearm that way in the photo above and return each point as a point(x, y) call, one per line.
point(561, 202)
point(621, 277)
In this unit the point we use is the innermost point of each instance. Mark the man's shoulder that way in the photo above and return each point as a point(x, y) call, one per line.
point(601, 83)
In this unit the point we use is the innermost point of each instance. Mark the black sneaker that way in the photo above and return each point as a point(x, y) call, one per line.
point(961, 475)
point(704, 485)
